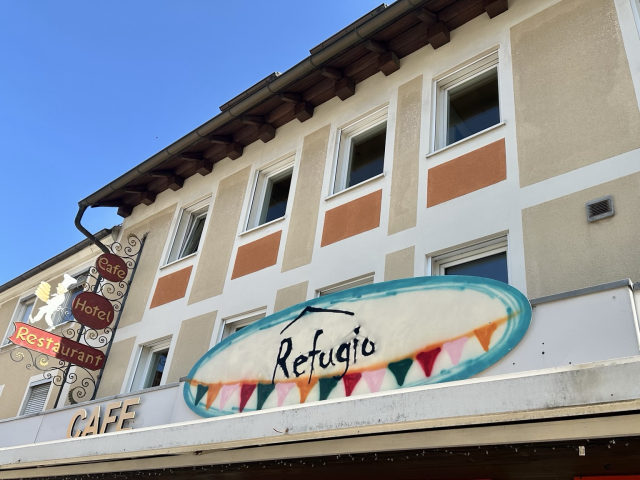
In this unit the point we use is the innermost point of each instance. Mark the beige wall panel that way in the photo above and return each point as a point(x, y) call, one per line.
point(15, 378)
point(564, 252)
point(403, 210)
point(193, 342)
point(565, 120)
point(399, 264)
point(116, 367)
point(158, 226)
point(220, 238)
point(6, 314)
point(289, 296)
point(306, 202)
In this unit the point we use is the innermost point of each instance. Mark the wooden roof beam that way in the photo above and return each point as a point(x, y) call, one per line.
point(438, 35)
point(125, 210)
point(427, 17)
point(253, 120)
point(221, 139)
point(204, 167)
point(266, 131)
point(388, 61)
point(234, 150)
point(495, 7)
point(290, 97)
point(147, 198)
point(344, 86)
point(190, 156)
point(174, 182)
point(139, 189)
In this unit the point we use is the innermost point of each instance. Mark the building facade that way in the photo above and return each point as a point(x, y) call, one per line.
point(486, 138)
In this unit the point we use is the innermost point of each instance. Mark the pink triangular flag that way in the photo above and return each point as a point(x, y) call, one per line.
point(374, 379)
point(283, 389)
point(454, 349)
point(225, 392)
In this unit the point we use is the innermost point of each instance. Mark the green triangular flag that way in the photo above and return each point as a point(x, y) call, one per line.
point(200, 391)
point(326, 386)
point(264, 390)
point(400, 369)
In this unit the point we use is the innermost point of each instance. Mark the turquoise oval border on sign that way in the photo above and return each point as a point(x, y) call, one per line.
point(457, 301)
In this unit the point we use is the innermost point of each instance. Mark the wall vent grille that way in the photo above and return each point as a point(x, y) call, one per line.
point(600, 208)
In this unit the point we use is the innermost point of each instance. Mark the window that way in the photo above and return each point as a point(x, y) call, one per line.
point(236, 323)
point(467, 101)
point(65, 315)
point(271, 193)
point(189, 231)
point(488, 260)
point(339, 287)
point(36, 397)
point(151, 364)
point(21, 315)
point(361, 151)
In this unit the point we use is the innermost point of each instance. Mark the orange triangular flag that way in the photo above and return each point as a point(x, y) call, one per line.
point(484, 335)
point(212, 393)
point(305, 387)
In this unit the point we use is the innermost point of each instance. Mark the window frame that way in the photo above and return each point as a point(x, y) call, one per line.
point(145, 354)
point(27, 396)
point(82, 278)
point(366, 279)
point(345, 139)
point(185, 226)
point(18, 312)
point(230, 325)
point(263, 176)
point(440, 263)
point(441, 87)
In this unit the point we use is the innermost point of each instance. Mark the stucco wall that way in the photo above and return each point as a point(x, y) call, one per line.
point(574, 97)
point(306, 201)
point(403, 210)
point(289, 296)
point(220, 237)
point(399, 264)
point(116, 367)
point(193, 342)
point(157, 227)
point(563, 251)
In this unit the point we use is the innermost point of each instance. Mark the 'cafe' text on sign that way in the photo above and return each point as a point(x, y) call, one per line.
point(97, 425)
point(112, 267)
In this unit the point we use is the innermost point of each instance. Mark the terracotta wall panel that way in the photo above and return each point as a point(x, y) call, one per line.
point(257, 255)
point(574, 98)
point(403, 209)
point(352, 218)
point(171, 287)
point(217, 246)
point(467, 173)
point(157, 226)
point(301, 235)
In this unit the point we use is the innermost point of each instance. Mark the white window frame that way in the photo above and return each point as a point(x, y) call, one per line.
point(460, 76)
point(17, 314)
point(263, 179)
point(143, 363)
point(35, 382)
point(366, 279)
point(230, 325)
point(346, 136)
point(184, 227)
point(440, 263)
point(635, 6)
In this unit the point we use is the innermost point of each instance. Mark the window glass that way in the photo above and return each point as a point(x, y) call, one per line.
point(473, 106)
point(189, 231)
point(276, 198)
point(493, 266)
point(192, 239)
point(156, 368)
point(367, 156)
point(22, 315)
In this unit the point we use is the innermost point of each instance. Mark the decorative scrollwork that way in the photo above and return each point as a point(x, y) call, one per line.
point(35, 360)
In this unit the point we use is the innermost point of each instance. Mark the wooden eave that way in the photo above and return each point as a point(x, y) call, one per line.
point(404, 36)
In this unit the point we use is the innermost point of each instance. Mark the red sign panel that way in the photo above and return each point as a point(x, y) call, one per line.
point(58, 347)
point(92, 310)
point(112, 267)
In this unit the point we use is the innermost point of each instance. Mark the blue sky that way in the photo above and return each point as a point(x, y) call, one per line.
point(90, 89)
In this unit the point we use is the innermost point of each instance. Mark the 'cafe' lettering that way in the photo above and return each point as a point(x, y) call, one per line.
point(112, 267)
point(96, 425)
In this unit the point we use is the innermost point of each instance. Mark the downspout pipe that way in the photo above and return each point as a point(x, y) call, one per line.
point(87, 233)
